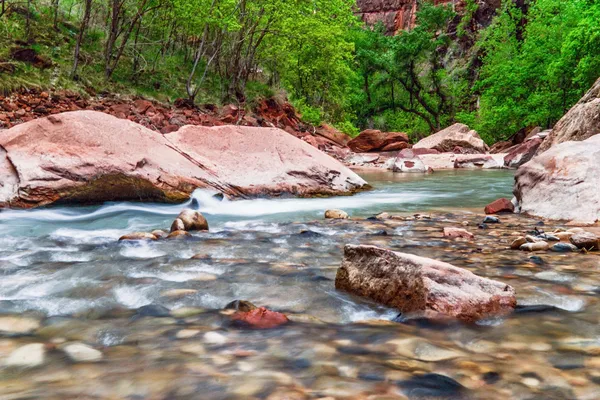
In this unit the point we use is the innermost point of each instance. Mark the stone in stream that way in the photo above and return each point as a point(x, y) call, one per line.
point(160, 234)
point(189, 220)
point(137, 236)
point(336, 214)
point(491, 220)
point(517, 243)
point(586, 240)
point(457, 233)
point(260, 318)
point(537, 246)
point(79, 352)
point(421, 285)
point(564, 248)
point(240, 305)
point(27, 356)
point(179, 235)
point(16, 325)
point(500, 205)
point(457, 135)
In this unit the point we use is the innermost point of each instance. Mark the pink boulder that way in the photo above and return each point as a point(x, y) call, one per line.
point(499, 206)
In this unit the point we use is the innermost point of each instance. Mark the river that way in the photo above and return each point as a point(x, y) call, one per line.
point(65, 269)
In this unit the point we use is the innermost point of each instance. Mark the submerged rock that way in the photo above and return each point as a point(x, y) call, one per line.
point(562, 183)
point(336, 214)
point(415, 284)
point(189, 220)
point(28, 356)
point(564, 248)
point(179, 235)
point(79, 352)
point(16, 325)
point(457, 233)
point(240, 305)
point(260, 318)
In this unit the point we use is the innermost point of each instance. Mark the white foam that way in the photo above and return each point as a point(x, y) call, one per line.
point(142, 250)
point(131, 297)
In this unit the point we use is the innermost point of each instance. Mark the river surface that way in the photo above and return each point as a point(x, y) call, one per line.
point(65, 269)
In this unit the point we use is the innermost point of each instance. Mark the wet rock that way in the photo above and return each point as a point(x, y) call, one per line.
point(422, 350)
point(482, 226)
point(433, 386)
point(533, 239)
point(564, 248)
point(153, 310)
point(537, 260)
point(336, 214)
point(517, 243)
point(185, 312)
point(241, 305)
point(415, 284)
point(537, 246)
point(178, 293)
point(499, 206)
point(456, 135)
point(16, 325)
point(201, 256)
point(214, 338)
point(179, 235)
point(260, 318)
point(457, 233)
point(190, 220)
point(491, 220)
point(160, 234)
point(562, 183)
point(79, 352)
point(563, 236)
point(586, 240)
point(137, 236)
point(28, 356)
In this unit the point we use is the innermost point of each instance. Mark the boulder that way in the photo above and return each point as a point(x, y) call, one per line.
point(562, 183)
point(421, 286)
point(137, 236)
point(409, 162)
point(375, 140)
point(457, 135)
point(92, 157)
point(500, 205)
point(522, 153)
point(476, 161)
point(336, 214)
point(579, 123)
point(586, 240)
point(190, 220)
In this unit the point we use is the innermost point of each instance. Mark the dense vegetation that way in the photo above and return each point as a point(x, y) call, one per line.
point(525, 69)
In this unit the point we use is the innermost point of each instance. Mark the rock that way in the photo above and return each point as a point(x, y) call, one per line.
point(179, 235)
point(28, 356)
point(260, 318)
point(241, 305)
point(336, 214)
point(564, 248)
point(537, 246)
point(63, 158)
point(522, 153)
point(491, 220)
point(562, 183)
point(415, 284)
point(533, 239)
point(456, 135)
point(579, 123)
point(499, 206)
point(16, 325)
point(138, 236)
point(458, 233)
point(374, 140)
point(79, 352)
point(190, 220)
point(178, 293)
point(586, 240)
point(476, 161)
point(564, 236)
point(214, 338)
point(409, 162)
point(153, 310)
point(160, 234)
point(517, 243)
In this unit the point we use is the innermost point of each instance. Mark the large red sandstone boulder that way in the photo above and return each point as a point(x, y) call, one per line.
point(581, 122)
point(499, 206)
point(522, 153)
point(455, 136)
point(92, 157)
point(375, 140)
point(563, 183)
point(421, 286)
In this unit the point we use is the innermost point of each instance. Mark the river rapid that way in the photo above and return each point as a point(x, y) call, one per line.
point(65, 274)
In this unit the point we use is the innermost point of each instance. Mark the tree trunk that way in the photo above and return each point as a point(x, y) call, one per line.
point(3, 8)
point(84, 23)
point(55, 9)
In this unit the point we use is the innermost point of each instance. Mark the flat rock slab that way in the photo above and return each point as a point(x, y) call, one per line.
point(422, 286)
point(92, 157)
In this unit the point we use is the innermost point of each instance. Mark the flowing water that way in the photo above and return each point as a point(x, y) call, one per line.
point(65, 268)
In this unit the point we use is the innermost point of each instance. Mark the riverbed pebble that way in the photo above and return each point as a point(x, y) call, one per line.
point(80, 352)
point(517, 243)
point(538, 246)
point(336, 214)
point(16, 325)
point(586, 240)
point(27, 356)
point(564, 248)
